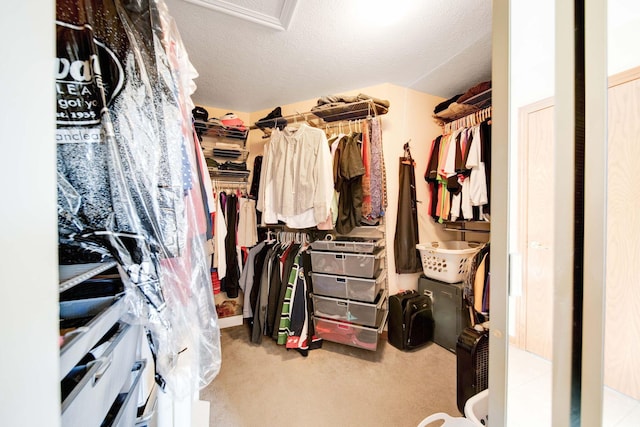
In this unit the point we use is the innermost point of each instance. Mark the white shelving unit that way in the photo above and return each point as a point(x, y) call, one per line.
point(104, 385)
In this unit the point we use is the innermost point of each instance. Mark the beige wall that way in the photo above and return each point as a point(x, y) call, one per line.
point(409, 117)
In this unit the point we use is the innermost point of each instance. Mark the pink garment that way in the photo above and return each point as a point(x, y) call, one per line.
point(327, 224)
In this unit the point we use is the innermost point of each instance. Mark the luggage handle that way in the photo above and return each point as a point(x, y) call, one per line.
point(428, 293)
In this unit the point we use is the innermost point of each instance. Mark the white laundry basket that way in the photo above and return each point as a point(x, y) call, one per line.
point(449, 421)
point(476, 409)
point(447, 261)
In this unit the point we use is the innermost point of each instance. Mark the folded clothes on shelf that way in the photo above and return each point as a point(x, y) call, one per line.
point(272, 120)
point(346, 99)
point(465, 103)
point(226, 153)
point(473, 91)
point(233, 166)
point(341, 107)
point(232, 121)
point(200, 113)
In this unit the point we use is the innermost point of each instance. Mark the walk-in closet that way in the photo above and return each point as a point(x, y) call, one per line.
point(306, 213)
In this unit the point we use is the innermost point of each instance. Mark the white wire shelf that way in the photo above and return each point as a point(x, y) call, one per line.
point(74, 274)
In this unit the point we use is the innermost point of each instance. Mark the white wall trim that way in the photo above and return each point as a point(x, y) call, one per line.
point(279, 22)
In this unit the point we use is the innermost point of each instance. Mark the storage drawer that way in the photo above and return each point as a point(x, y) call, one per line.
point(90, 400)
point(346, 264)
point(149, 415)
point(345, 244)
point(78, 342)
point(124, 410)
point(353, 288)
point(348, 333)
point(349, 311)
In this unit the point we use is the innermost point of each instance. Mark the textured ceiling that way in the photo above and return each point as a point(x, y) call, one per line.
point(440, 47)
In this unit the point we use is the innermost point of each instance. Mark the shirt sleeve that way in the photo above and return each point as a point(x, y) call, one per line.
point(450, 159)
point(269, 215)
point(323, 177)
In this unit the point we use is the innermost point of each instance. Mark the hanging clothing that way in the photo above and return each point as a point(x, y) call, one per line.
point(431, 177)
point(457, 174)
point(254, 190)
point(253, 282)
point(485, 136)
point(220, 236)
point(247, 223)
point(246, 279)
point(206, 189)
point(230, 283)
point(348, 170)
point(301, 332)
point(281, 308)
point(298, 185)
point(478, 178)
point(128, 175)
point(461, 206)
point(407, 257)
point(255, 180)
point(262, 297)
point(378, 172)
point(334, 143)
point(366, 177)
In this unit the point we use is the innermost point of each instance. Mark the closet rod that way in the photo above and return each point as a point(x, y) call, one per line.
point(366, 106)
point(466, 230)
point(474, 118)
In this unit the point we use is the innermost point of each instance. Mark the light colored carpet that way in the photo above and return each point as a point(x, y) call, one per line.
point(337, 385)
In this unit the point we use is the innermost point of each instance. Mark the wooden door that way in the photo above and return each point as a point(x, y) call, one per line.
point(622, 319)
point(535, 321)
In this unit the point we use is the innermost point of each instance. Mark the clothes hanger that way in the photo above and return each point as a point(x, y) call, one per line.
point(408, 159)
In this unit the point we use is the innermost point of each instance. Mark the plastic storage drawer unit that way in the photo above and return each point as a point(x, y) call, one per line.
point(345, 244)
point(353, 288)
point(347, 264)
point(348, 333)
point(350, 311)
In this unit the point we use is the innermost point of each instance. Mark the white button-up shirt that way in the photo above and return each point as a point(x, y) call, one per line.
point(298, 177)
